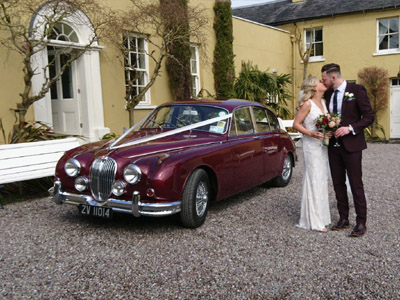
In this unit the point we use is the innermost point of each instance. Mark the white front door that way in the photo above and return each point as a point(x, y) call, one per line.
point(395, 109)
point(64, 96)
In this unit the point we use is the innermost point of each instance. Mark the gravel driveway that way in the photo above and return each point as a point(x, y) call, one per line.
point(248, 248)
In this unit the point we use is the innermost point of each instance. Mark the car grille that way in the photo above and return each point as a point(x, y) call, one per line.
point(102, 177)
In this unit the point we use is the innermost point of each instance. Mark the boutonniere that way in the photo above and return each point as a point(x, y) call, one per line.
point(349, 97)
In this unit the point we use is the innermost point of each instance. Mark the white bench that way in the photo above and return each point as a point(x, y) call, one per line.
point(32, 160)
point(289, 124)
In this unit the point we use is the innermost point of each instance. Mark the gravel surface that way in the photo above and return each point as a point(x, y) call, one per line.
point(249, 248)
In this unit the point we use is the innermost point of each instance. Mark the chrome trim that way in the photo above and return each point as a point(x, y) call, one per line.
point(138, 171)
point(56, 193)
point(102, 177)
point(85, 180)
point(76, 164)
point(134, 207)
point(123, 184)
point(135, 204)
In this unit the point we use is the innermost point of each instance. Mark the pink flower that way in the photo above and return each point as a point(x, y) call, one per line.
point(337, 122)
point(332, 124)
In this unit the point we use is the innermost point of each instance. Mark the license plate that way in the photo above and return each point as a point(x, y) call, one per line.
point(96, 211)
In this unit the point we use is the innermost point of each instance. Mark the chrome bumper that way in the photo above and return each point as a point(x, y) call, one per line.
point(134, 207)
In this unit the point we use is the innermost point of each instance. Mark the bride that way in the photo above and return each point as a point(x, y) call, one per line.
point(315, 214)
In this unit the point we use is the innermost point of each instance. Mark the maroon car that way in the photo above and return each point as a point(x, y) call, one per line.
point(183, 156)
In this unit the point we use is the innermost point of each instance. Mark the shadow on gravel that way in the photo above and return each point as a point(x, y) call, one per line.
point(121, 221)
point(70, 216)
point(238, 199)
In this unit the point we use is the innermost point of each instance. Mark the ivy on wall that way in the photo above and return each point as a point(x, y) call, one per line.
point(223, 67)
point(178, 60)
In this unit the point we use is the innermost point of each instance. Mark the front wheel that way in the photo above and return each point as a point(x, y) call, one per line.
point(284, 179)
point(195, 199)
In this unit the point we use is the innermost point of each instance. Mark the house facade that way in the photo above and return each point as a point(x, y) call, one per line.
point(89, 99)
point(352, 33)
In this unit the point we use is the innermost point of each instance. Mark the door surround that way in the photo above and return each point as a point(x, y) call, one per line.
point(88, 89)
point(395, 108)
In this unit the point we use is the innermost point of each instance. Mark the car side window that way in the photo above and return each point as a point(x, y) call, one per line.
point(241, 122)
point(260, 115)
point(273, 121)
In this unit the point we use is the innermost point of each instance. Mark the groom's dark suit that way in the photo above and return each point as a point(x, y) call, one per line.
point(347, 158)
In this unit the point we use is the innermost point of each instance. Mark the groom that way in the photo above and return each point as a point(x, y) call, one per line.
point(351, 102)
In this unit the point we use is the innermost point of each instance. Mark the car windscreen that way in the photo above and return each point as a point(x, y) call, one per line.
point(178, 116)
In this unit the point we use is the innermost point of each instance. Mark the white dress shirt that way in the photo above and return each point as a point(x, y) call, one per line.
point(340, 96)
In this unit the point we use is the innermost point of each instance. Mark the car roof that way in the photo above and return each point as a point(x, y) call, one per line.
point(229, 104)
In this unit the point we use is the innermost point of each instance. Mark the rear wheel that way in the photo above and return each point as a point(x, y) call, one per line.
point(284, 179)
point(195, 199)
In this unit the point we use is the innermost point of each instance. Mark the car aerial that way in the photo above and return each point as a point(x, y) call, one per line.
point(183, 156)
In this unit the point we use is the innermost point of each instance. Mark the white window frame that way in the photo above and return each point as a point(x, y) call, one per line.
point(133, 36)
point(313, 57)
point(378, 35)
point(195, 89)
point(395, 82)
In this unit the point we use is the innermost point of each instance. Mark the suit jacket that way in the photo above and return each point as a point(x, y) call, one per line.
point(358, 113)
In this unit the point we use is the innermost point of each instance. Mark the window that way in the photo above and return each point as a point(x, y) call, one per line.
point(242, 122)
point(273, 121)
point(177, 116)
point(388, 35)
point(396, 82)
point(62, 89)
point(315, 41)
point(260, 115)
point(136, 66)
point(194, 70)
point(64, 32)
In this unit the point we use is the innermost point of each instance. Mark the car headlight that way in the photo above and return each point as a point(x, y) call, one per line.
point(118, 188)
point(72, 167)
point(132, 174)
point(81, 183)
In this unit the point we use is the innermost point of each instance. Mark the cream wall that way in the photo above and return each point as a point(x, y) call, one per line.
point(350, 41)
point(267, 47)
point(11, 79)
point(112, 74)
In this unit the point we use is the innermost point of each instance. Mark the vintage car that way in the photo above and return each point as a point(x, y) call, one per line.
point(184, 155)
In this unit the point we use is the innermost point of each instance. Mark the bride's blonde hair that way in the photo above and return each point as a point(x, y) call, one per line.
point(307, 87)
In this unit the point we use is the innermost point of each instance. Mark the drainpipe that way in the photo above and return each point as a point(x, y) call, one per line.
point(293, 40)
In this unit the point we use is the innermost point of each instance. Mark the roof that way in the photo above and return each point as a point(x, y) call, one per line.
point(285, 11)
point(229, 104)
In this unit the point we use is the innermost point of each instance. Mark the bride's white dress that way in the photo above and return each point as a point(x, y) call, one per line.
point(315, 214)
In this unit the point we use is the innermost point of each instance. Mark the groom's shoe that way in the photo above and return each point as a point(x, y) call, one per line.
point(359, 230)
point(341, 225)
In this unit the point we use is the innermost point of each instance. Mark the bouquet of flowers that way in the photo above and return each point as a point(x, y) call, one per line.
point(328, 122)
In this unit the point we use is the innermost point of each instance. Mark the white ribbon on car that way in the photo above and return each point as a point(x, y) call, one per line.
point(164, 134)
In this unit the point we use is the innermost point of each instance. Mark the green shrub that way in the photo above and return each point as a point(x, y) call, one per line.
point(223, 67)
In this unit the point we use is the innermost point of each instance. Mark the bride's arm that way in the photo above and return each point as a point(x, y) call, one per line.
point(298, 121)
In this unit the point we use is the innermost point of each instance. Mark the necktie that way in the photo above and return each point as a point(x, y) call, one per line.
point(335, 102)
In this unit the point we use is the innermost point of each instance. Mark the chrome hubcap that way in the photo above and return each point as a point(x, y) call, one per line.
point(201, 198)
point(287, 168)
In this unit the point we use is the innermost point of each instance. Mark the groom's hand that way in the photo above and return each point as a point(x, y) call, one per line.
point(342, 131)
